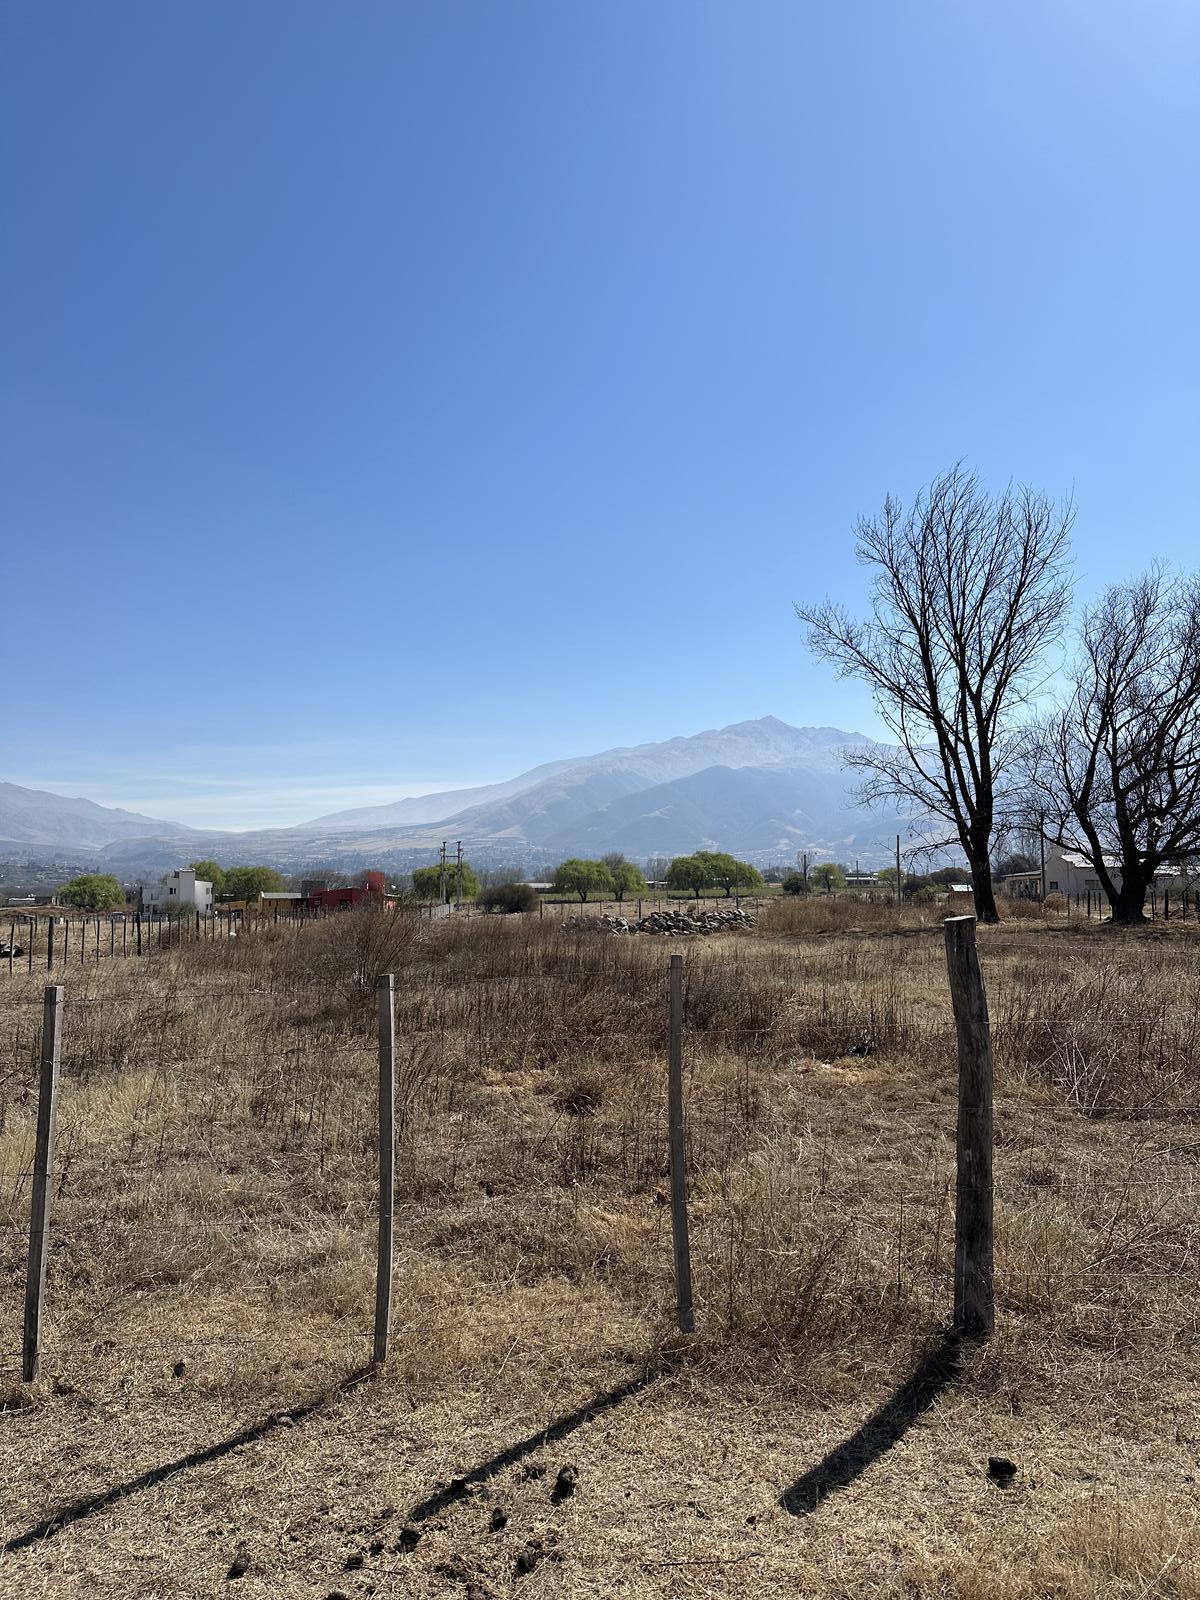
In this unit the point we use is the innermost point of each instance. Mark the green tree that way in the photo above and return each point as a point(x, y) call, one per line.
point(92, 891)
point(210, 872)
point(795, 883)
point(828, 877)
point(627, 879)
point(582, 878)
point(727, 873)
point(247, 883)
point(690, 872)
point(509, 897)
point(426, 882)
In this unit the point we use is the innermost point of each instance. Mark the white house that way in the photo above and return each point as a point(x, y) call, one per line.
point(177, 890)
point(1069, 873)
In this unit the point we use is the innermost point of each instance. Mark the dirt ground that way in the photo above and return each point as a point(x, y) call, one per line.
point(204, 1422)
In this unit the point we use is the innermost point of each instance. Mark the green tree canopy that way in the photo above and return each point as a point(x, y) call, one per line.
point(726, 873)
point(627, 879)
point(582, 878)
point(210, 872)
point(247, 883)
point(92, 891)
point(690, 872)
point(425, 882)
point(827, 877)
point(795, 883)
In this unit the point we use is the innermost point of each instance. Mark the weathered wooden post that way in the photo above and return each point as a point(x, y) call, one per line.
point(385, 996)
point(43, 1166)
point(678, 1148)
point(50, 921)
point(974, 1287)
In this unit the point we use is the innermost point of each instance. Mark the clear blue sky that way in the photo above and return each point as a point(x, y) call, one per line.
point(402, 394)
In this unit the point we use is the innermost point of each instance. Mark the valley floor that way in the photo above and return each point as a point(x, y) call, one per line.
point(203, 1423)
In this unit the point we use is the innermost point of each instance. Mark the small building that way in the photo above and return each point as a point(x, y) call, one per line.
point(372, 891)
point(1021, 885)
point(1069, 872)
point(180, 890)
point(865, 883)
point(273, 901)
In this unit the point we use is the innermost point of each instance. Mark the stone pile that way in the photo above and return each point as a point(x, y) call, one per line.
point(672, 924)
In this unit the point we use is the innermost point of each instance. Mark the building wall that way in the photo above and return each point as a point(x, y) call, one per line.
point(180, 888)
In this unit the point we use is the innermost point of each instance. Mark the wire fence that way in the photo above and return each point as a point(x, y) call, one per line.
point(289, 1120)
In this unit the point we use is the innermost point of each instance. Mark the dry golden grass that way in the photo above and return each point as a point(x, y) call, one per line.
point(213, 1253)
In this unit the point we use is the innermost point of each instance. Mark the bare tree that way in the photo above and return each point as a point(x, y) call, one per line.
point(1116, 771)
point(968, 592)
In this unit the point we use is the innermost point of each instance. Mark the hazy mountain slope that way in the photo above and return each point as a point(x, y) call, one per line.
point(757, 811)
point(758, 788)
point(547, 813)
point(55, 821)
point(437, 807)
point(547, 788)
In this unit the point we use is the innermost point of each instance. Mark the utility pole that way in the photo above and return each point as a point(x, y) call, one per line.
point(1042, 842)
point(460, 867)
point(804, 867)
point(897, 870)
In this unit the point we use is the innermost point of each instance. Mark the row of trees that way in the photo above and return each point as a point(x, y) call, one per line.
point(612, 877)
point(970, 593)
point(238, 883)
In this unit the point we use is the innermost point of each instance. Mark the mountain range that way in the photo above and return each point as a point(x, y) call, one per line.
point(761, 789)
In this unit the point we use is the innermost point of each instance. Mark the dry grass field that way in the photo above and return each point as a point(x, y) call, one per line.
point(204, 1425)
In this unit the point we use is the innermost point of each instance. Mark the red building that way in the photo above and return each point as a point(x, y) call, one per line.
point(372, 892)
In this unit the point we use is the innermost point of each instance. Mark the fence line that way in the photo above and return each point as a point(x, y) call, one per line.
point(973, 1305)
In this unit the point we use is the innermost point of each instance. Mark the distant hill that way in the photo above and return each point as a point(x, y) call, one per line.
point(771, 812)
point(761, 789)
point(54, 821)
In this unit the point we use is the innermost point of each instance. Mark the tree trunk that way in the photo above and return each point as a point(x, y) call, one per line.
point(1129, 902)
point(985, 895)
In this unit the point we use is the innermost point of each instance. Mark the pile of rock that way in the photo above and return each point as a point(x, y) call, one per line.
point(672, 924)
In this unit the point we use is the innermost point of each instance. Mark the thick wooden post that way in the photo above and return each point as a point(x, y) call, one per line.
point(385, 995)
point(43, 1167)
point(974, 1288)
point(678, 1148)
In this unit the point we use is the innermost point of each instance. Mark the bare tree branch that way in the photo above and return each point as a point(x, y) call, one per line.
point(968, 592)
point(1115, 772)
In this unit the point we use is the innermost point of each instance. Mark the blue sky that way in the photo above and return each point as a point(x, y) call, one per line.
point(398, 395)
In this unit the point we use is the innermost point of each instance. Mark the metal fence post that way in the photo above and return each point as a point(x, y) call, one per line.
point(43, 1167)
point(678, 1149)
point(385, 995)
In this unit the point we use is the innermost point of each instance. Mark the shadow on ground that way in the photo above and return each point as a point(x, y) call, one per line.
point(511, 1454)
point(58, 1520)
point(882, 1429)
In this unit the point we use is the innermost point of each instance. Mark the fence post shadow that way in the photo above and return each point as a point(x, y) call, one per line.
point(554, 1431)
point(57, 1521)
point(886, 1426)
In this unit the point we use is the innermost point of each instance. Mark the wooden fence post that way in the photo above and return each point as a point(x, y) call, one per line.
point(974, 1287)
point(678, 1149)
point(50, 921)
point(385, 995)
point(43, 1167)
